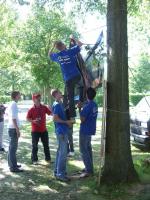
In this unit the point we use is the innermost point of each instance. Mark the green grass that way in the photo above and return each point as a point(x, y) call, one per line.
point(37, 182)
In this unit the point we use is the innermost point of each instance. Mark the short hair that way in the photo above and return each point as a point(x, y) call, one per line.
point(35, 96)
point(14, 94)
point(91, 93)
point(58, 44)
point(53, 92)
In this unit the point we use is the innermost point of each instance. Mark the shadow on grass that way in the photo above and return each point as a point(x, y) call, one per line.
point(37, 182)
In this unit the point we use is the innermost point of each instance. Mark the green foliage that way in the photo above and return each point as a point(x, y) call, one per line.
point(15, 73)
point(99, 99)
point(4, 99)
point(7, 24)
point(141, 81)
point(25, 65)
point(37, 37)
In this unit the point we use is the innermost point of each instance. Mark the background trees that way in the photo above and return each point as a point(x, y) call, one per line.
point(24, 60)
point(25, 65)
point(37, 37)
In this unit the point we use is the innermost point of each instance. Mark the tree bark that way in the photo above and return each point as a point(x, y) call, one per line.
point(118, 166)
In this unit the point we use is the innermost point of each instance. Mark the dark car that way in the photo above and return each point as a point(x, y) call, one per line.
point(140, 124)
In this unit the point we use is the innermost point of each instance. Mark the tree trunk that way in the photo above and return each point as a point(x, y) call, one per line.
point(118, 166)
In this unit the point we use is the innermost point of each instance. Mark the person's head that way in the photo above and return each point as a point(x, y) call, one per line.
point(36, 98)
point(15, 96)
point(91, 93)
point(60, 46)
point(56, 94)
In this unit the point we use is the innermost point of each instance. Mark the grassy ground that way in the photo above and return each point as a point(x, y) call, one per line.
point(37, 182)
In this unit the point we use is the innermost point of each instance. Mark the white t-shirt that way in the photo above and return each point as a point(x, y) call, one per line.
point(13, 114)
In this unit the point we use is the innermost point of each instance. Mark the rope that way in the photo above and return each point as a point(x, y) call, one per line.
point(118, 111)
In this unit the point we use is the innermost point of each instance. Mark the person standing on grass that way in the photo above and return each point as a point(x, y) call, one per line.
point(14, 132)
point(37, 116)
point(61, 129)
point(88, 117)
point(71, 75)
point(2, 112)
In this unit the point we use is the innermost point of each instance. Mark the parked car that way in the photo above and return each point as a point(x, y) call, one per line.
point(140, 124)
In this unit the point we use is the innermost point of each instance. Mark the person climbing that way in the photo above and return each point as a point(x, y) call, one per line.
point(71, 75)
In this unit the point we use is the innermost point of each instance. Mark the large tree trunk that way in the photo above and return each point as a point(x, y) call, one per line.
point(118, 161)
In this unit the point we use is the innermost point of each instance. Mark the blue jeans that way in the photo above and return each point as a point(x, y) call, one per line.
point(86, 152)
point(70, 140)
point(61, 156)
point(13, 145)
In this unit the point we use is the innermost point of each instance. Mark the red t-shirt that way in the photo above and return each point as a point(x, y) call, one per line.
point(40, 114)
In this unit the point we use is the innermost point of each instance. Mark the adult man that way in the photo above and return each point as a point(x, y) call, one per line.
point(37, 116)
point(71, 75)
point(61, 129)
point(14, 132)
point(88, 117)
point(2, 112)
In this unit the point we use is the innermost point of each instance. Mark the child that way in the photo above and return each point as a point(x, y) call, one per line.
point(88, 117)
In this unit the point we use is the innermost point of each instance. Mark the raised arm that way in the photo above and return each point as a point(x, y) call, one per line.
point(78, 42)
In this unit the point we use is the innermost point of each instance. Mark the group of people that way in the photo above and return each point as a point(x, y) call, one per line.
point(63, 112)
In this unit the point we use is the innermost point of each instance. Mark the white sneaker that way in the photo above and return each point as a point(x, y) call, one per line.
point(71, 154)
point(35, 163)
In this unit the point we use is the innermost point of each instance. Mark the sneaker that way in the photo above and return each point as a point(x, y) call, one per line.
point(63, 179)
point(18, 166)
point(71, 154)
point(86, 174)
point(35, 162)
point(17, 170)
point(2, 149)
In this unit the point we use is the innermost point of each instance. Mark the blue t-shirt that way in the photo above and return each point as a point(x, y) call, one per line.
point(58, 109)
point(68, 62)
point(89, 112)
